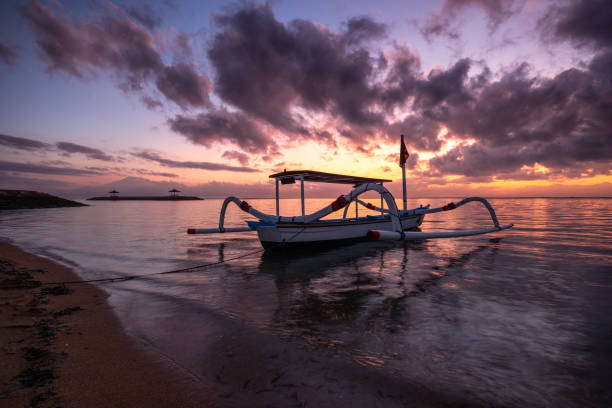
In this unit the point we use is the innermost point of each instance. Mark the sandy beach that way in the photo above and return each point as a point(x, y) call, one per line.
point(64, 346)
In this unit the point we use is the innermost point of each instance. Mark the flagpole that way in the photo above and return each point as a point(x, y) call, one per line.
point(404, 179)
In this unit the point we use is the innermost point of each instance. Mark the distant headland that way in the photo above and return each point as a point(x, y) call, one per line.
point(174, 196)
point(20, 199)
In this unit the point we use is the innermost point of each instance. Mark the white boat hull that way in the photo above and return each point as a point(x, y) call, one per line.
point(290, 233)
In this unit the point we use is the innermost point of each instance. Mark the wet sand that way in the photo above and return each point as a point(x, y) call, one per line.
point(64, 346)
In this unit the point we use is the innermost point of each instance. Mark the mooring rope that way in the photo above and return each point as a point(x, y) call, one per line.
point(138, 276)
point(146, 275)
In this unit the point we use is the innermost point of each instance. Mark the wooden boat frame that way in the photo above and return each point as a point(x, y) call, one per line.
point(391, 224)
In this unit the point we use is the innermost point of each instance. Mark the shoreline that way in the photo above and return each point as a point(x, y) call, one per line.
point(64, 345)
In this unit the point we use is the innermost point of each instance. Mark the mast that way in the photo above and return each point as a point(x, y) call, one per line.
point(403, 175)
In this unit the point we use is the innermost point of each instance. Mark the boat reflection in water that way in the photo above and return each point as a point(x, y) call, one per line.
point(320, 291)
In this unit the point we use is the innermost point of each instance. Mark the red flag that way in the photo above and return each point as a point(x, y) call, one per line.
point(403, 153)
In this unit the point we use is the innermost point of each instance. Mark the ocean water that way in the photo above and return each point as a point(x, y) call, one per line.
point(517, 318)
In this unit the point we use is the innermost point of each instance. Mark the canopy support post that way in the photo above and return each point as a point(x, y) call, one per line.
point(277, 206)
point(302, 196)
point(382, 204)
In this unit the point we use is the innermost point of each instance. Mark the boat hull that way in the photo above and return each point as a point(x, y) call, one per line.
point(326, 232)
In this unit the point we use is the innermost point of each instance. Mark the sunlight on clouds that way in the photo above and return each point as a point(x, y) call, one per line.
point(537, 168)
point(563, 181)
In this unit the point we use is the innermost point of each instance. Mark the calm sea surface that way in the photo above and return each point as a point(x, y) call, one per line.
point(520, 318)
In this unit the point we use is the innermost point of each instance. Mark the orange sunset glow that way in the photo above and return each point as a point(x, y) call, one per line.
point(206, 112)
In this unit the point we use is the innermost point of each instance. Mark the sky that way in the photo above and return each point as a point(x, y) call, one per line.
point(494, 97)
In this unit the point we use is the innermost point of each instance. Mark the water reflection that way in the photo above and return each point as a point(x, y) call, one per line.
point(518, 320)
point(321, 294)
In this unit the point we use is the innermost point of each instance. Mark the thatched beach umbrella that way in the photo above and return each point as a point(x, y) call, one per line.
point(113, 193)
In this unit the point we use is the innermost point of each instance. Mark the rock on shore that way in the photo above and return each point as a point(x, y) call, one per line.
point(17, 199)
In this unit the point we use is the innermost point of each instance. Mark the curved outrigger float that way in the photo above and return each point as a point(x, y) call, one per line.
point(390, 224)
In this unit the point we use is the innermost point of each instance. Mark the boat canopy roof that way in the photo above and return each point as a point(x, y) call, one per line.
point(321, 177)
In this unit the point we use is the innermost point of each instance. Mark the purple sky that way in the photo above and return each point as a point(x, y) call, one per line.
point(494, 97)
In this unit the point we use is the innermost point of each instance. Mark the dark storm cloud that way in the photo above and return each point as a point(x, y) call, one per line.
point(183, 85)
point(281, 77)
point(8, 54)
point(273, 73)
point(444, 22)
point(562, 123)
point(56, 40)
point(269, 69)
point(443, 86)
point(42, 169)
point(519, 119)
point(401, 79)
point(235, 155)
point(116, 44)
point(21, 143)
point(564, 155)
point(420, 132)
point(91, 153)
point(360, 29)
point(223, 126)
point(265, 67)
point(112, 43)
point(191, 165)
point(583, 22)
point(145, 15)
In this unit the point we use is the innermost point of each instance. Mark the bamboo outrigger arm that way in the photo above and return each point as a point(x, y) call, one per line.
point(402, 235)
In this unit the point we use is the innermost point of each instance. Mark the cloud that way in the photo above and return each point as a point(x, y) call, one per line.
point(88, 151)
point(443, 23)
point(8, 53)
point(150, 102)
point(283, 74)
point(183, 85)
point(235, 155)
point(21, 143)
point(191, 165)
point(411, 163)
point(360, 29)
point(298, 65)
point(145, 16)
point(223, 126)
point(42, 169)
point(146, 172)
point(562, 123)
point(116, 44)
point(582, 22)
point(279, 82)
point(182, 47)
point(65, 148)
point(276, 76)
point(443, 86)
point(57, 41)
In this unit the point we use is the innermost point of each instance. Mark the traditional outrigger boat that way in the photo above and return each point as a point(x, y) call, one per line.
point(390, 224)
